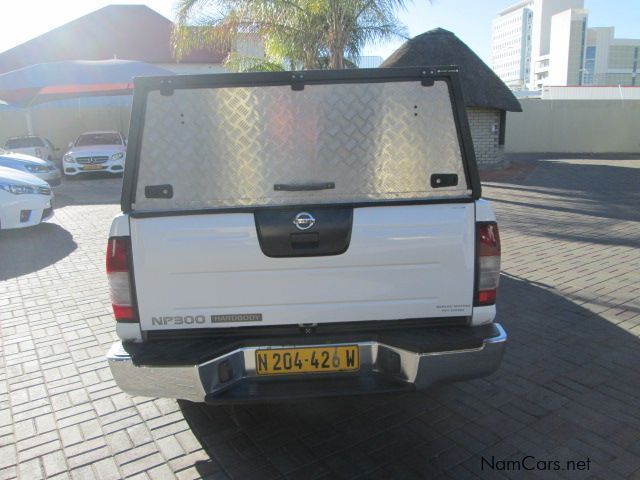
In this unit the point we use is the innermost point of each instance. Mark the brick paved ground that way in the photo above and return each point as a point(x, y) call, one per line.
point(568, 388)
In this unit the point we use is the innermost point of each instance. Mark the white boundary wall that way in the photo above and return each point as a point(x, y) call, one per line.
point(574, 126)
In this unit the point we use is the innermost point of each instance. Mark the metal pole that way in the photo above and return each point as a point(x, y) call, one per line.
point(29, 121)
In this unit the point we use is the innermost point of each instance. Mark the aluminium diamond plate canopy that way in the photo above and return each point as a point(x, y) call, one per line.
point(353, 141)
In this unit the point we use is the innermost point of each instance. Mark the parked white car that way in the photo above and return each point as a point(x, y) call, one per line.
point(43, 169)
point(25, 200)
point(34, 145)
point(95, 152)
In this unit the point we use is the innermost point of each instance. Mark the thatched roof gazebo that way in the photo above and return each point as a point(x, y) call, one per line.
point(486, 97)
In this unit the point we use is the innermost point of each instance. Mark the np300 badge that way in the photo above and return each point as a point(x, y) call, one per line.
point(304, 221)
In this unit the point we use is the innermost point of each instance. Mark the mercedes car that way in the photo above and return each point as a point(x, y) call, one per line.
point(94, 152)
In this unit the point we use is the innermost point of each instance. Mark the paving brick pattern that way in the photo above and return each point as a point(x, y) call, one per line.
point(568, 389)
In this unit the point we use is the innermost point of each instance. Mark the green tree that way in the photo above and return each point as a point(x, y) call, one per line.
point(296, 34)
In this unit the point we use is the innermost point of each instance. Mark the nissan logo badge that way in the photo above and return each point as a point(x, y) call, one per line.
point(304, 221)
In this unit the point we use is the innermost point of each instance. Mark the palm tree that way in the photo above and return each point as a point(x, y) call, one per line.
point(296, 34)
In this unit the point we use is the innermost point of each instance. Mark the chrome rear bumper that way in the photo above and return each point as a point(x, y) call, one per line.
point(232, 377)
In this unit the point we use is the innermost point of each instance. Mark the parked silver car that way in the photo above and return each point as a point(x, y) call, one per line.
point(33, 145)
point(43, 169)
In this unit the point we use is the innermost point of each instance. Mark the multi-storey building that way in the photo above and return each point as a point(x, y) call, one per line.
point(538, 43)
point(566, 48)
point(541, 38)
point(522, 38)
point(511, 44)
point(609, 60)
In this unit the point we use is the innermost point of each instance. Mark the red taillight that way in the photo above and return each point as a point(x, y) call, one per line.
point(117, 254)
point(488, 263)
point(124, 313)
point(119, 282)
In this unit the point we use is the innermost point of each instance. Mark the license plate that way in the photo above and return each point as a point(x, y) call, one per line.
point(286, 361)
point(92, 167)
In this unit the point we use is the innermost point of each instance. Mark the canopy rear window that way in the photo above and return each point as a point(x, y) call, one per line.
point(272, 145)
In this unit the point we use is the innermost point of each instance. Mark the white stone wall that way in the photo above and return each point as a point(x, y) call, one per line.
point(575, 126)
point(485, 132)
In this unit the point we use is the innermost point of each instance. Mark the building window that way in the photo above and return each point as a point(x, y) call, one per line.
point(502, 127)
point(589, 66)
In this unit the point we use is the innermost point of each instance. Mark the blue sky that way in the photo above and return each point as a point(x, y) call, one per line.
point(469, 19)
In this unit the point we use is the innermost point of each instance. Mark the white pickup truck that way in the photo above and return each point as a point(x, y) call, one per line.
point(294, 235)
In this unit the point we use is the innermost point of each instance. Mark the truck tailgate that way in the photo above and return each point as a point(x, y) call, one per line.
point(209, 270)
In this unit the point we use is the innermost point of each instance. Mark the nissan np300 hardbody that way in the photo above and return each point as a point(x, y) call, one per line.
point(290, 235)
